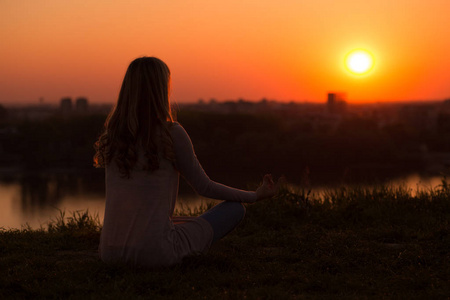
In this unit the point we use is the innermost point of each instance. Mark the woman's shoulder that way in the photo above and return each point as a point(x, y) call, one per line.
point(178, 133)
point(176, 128)
point(174, 124)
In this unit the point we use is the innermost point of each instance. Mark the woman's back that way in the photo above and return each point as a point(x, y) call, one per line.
point(138, 226)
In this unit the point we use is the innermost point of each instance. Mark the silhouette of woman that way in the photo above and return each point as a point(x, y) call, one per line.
point(143, 152)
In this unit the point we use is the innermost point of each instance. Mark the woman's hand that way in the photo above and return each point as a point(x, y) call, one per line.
point(267, 189)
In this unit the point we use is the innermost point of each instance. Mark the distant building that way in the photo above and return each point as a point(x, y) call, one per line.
point(336, 102)
point(66, 105)
point(81, 105)
point(3, 113)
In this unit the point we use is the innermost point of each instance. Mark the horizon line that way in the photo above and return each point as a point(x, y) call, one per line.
point(207, 102)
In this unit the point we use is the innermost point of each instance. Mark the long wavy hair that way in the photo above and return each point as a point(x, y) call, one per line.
point(141, 116)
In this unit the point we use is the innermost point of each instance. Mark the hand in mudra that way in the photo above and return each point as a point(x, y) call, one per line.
point(268, 188)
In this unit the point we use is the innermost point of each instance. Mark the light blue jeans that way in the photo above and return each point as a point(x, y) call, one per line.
point(224, 217)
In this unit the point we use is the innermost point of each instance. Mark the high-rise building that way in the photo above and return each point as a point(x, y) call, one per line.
point(81, 105)
point(336, 102)
point(66, 105)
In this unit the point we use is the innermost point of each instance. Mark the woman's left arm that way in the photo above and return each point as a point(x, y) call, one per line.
point(191, 169)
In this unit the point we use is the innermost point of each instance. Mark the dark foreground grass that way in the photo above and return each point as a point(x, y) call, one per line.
point(381, 243)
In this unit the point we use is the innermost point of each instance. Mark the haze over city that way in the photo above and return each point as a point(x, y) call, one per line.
point(286, 51)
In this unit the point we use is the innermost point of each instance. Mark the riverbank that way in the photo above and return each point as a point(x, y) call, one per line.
point(357, 243)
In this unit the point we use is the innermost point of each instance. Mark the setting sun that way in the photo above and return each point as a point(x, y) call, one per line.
point(359, 62)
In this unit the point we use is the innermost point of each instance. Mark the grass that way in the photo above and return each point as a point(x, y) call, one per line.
point(352, 243)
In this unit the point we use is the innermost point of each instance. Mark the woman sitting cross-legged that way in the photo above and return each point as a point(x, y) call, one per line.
point(143, 152)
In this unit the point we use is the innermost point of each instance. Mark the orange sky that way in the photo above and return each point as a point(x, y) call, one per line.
point(283, 50)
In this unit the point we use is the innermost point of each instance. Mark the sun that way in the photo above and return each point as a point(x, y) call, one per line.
point(359, 61)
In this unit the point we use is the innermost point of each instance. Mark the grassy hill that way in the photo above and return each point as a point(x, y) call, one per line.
point(353, 243)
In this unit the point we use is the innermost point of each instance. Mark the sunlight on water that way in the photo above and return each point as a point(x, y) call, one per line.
point(18, 209)
point(20, 206)
point(9, 210)
point(414, 183)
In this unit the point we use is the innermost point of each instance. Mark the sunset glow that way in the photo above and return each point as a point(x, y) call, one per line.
point(289, 50)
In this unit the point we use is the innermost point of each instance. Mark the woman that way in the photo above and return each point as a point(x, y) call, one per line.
point(143, 151)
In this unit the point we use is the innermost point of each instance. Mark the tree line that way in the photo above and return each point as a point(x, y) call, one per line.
point(235, 147)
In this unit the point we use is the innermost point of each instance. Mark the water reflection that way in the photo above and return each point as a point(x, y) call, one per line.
point(37, 199)
point(414, 183)
point(38, 192)
point(34, 200)
point(42, 191)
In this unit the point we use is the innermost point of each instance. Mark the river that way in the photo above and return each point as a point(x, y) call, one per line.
point(35, 201)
